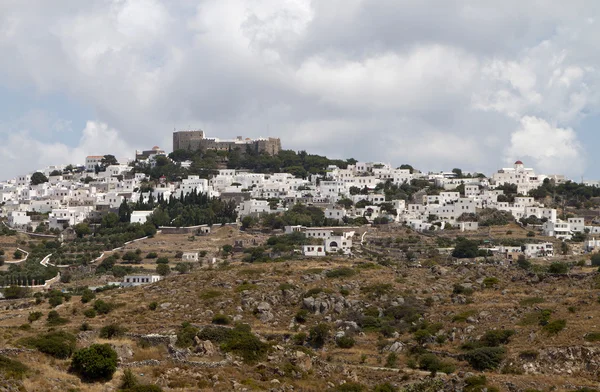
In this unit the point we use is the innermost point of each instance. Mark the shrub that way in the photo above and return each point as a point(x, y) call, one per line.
point(89, 313)
point(554, 327)
point(102, 307)
point(348, 387)
point(313, 292)
point(210, 294)
point(162, 260)
point(34, 316)
point(345, 342)
point(558, 268)
point(592, 336)
point(163, 269)
point(463, 316)
point(432, 363)
point(152, 255)
point(385, 387)
point(128, 380)
point(299, 338)
point(531, 301)
point(243, 342)
point(153, 305)
point(318, 335)
point(529, 355)
point(496, 337)
point(186, 335)
point(485, 358)
point(87, 296)
point(341, 272)
point(58, 344)
point(490, 281)
point(55, 300)
point(54, 319)
point(301, 316)
point(221, 319)
point(12, 369)
point(94, 363)
point(523, 263)
point(111, 331)
point(85, 327)
point(391, 360)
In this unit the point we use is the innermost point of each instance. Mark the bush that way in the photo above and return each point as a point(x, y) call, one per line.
point(128, 380)
point(89, 313)
point(301, 316)
point(496, 337)
point(163, 269)
point(186, 335)
point(386, 387)
point(54, 319)
point(348, 387)
point(299, 338)
point(221, 319)
point(12, 369)
point(241, 341)
point(554, 327)
point(94, 363)
point(57, 344)
point(318, 335)
point(87, 296)
point(85, 327)
point(485, 358)
point(558, 268)
point(112, 331)
point(433, 364)
point(16, 292)
point(490, 281)
point(531, 301)
point(153, 305)
point(152, 255)
point(345, 342)
point(34, 316)
point(102, 307)
point(341, 272)
point(55, 300)
point(391, 360)
point(162, 260)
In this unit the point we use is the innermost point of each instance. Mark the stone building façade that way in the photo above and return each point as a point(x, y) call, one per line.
point(194, 140)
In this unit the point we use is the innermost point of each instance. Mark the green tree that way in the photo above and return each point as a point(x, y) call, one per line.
point(107, 161)
point(465, 248)
point(163, 269)
point(82, 229)
point(38, 178)
point(318, 335)
point(97, 362)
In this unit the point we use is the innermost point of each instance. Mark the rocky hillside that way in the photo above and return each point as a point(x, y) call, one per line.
point(336, 323)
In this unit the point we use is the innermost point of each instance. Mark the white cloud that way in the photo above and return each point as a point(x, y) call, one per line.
point(21, 149)
point(552, 150)
point(369, 75)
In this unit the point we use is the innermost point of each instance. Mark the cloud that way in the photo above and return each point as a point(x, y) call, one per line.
point(372, 79)
point(22, 150)
point(552, 150)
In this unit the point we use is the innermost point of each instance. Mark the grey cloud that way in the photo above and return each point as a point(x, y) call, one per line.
point(342, 78)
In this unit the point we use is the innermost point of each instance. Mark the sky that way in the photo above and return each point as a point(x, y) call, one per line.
point(438, 84)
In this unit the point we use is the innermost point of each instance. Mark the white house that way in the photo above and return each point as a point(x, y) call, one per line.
point(313, 250)
point(18, 219)
point(539, 250)
point(140, 216)
point(92, 161)
point(136, 280)
point(190, 256)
